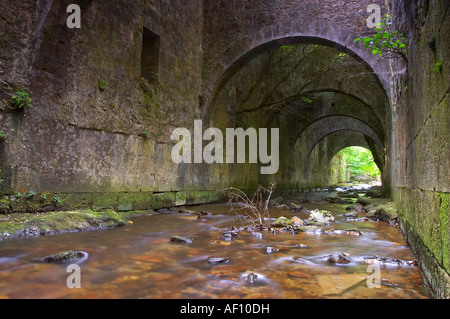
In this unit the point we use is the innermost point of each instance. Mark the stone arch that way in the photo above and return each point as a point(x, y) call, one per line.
point(340, 140)
point(323, 127)
point(275, 36)
point(351, 106)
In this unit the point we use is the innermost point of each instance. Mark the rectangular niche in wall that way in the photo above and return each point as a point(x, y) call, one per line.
point(150, 55)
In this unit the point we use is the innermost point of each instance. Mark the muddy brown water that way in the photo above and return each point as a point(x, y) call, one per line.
point(139, 261)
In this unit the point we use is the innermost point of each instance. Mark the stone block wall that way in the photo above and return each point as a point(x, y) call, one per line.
point(421, 153)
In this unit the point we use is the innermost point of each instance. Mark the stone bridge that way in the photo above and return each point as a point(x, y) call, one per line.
point(107, 96)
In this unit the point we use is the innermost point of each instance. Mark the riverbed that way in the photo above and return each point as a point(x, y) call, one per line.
point(138, 260)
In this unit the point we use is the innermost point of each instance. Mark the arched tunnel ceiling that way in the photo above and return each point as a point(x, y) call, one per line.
point(327, 125)
point(342, 139)
point(307, 88)
point(289, 72)
point(230, 40)
point(301, 113)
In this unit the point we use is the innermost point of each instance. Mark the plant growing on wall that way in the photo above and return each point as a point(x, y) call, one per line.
point(3, 136)
point(101, 85)
point(22, 100)
point(385, 41)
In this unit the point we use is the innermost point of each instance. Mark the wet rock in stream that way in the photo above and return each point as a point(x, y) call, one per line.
point(387, 261)
point(180, 240)
point(271, 250)
point(251, 278)
point(218, 260)
point(386, 212)
point(320, 217)
point(338, 259)
point(351, 215)
point(282, 222)
point(353, 232)
point(63, 257)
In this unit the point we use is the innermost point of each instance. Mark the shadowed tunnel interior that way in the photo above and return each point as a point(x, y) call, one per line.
point(313, 93)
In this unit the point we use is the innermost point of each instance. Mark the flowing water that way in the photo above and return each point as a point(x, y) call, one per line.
point(139, 261)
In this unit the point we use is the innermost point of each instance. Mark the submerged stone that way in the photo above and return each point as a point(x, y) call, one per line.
point(256, 235)
point(309, 229)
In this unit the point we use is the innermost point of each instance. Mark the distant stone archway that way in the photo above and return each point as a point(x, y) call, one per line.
point(327, 125)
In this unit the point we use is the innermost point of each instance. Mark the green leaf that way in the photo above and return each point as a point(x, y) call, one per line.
point(374, 51)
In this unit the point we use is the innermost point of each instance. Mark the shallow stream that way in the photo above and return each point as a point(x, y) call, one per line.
point(139, 261)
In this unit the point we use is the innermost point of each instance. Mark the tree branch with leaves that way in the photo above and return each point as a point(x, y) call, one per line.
point(386, 41)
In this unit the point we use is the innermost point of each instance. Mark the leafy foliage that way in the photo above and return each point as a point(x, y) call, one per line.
point(360, 161)
point(22, 100)
point(385, 41)
point(3, 135)
point(437, 67)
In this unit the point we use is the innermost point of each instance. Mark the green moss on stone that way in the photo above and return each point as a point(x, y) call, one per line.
point(158, 200)
point(169, 199)
point(105, 200)
point(142, 201)
point(180, 198)
point(444, 216)
point(19, 225)
point(125, 202)
point(202, 197)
